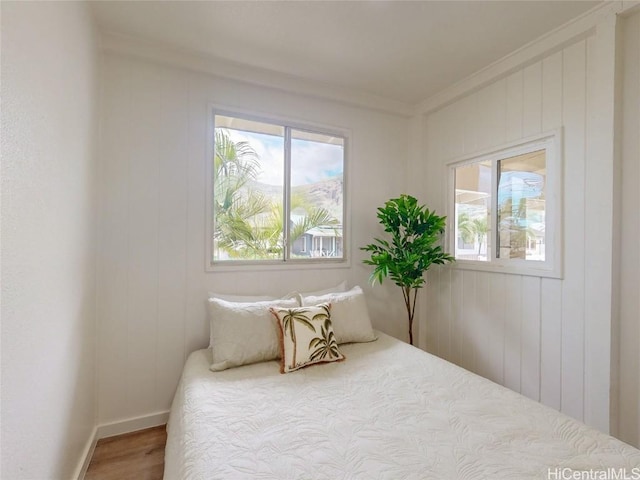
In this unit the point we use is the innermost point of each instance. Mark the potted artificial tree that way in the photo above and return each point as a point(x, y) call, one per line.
point(412, 249)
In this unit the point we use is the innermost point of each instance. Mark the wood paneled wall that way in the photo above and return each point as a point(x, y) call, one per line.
point(628, 421)
point(152, 284)
point(527, 333)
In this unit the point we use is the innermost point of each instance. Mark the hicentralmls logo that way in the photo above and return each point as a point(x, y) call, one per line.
point(592, 474)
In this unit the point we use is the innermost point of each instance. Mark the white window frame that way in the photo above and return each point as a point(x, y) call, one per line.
point(212, 265)
point(551, 267)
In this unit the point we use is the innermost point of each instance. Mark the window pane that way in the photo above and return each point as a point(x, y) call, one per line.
point(317, 167)
point(521, 206)
point(472, 207)
point(248, 182)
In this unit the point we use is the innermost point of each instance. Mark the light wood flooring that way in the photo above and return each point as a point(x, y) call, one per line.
point(133, 456)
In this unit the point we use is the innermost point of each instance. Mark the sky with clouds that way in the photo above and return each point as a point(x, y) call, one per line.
point(311, 161)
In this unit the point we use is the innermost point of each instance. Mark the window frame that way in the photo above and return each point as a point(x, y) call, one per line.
point(552, 143)
point(288, 124)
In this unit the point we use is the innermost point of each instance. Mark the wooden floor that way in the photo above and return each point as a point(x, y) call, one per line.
point(133, 456)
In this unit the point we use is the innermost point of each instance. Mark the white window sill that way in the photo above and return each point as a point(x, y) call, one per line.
point(494, 267)
point(247, 266)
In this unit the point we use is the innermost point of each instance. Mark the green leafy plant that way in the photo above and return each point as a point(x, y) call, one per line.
point(412, 249)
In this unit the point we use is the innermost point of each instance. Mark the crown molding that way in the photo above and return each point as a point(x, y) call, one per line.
point(181, 58)
point(556, 39)
point(630, 7)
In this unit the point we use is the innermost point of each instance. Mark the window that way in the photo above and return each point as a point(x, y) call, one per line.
point(277, 193)
point(506, 208)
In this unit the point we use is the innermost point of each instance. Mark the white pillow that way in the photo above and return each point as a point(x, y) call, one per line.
point(242, 298)
point(243, 333)
point(341, 287)
point(349, 315)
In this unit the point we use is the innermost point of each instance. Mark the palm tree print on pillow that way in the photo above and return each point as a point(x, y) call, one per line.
point(313, 343)
point(325, 345)
point(295, 315)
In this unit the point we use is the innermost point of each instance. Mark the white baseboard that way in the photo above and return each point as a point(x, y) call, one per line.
point(132, 424)
point(87, 453)
point(116, 428)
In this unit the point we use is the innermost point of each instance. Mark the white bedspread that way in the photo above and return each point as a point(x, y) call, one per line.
point(390, 411)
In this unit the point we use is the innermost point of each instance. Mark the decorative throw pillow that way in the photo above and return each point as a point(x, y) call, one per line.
point(306, 337)
point(243, 333)
point(349, 315)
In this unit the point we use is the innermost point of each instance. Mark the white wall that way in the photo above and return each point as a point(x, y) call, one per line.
point(628, 427)
point(49, 91)
point(539, 336)
point(151, 272)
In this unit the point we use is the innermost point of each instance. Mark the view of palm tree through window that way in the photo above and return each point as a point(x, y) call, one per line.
point(271, 179)
point(521, 206)
point(473, 206)
point(520, 202)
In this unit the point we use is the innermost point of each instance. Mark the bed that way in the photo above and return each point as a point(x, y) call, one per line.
point(389, 411)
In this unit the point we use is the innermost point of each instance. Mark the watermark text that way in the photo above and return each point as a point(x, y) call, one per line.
point(566, 473)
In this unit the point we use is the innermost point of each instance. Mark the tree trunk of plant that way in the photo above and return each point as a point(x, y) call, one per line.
point(410, 304)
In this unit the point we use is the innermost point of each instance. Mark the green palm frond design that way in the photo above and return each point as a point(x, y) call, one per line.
point(325, 345)
point(325, 313)
point(295, 315)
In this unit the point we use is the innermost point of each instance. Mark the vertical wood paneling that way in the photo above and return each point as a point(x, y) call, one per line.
point(551, 342)
point(467, 320)
point(444, 148)
point(482, 322)
point(497, 293)
point(155, 144)
point(530, 338)
point(528, 379)
point(112, 266)
point(632, 302)
point(532, 99)
point(628, 422)
point(471, 122)
point(512, 333)
point(602, 162)
point(435, 148)
point(430, 319)
point(457, 327)
point(456, 136)
point(524, 332)
point(527, 333)
point(172, 247)
point(429, 331)
point(143, 241)
point(552, 92)
point(515, 105)
point(550, 302)
point(195, 315)
point(492, 107)
point(574, 114)
point(444, 320)
point(599, 182)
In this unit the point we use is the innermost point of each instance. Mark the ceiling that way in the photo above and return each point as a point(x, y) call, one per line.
point(401, 50)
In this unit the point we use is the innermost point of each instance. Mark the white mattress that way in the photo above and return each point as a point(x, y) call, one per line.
point(390, 411)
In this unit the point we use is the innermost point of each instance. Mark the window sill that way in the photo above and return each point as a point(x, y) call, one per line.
point(530, 271)
point(230, 266)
